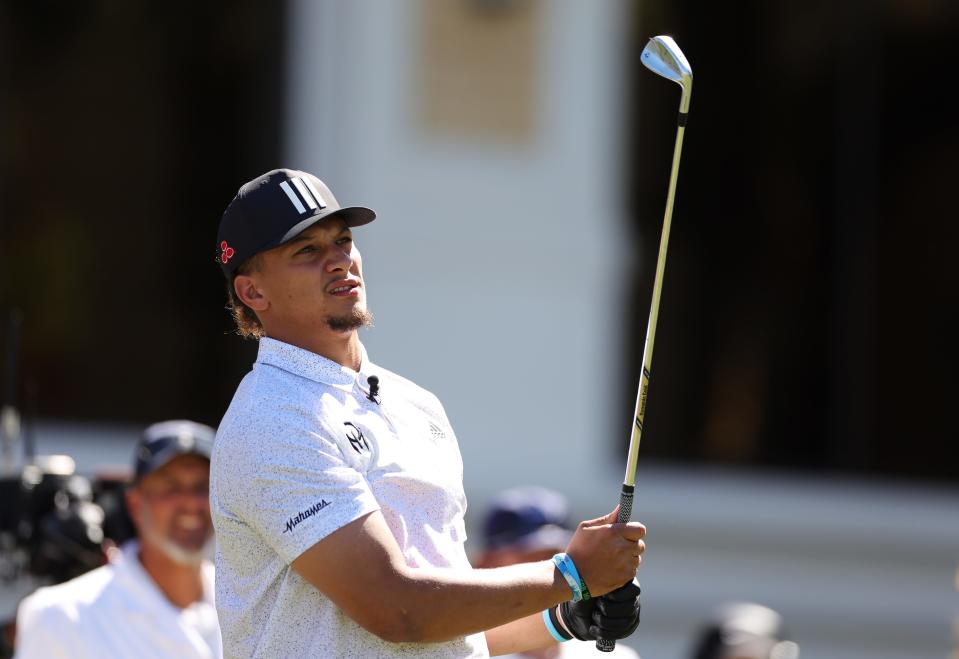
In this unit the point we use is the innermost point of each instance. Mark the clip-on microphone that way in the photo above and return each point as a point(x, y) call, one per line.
point(374, 383)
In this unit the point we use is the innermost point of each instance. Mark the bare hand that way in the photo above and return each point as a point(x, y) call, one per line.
point(607, 554)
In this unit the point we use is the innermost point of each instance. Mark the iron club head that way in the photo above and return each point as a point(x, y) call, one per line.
point(663, 57)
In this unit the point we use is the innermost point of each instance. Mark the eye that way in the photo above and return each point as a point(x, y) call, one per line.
point(344, 240)
point(306, 249)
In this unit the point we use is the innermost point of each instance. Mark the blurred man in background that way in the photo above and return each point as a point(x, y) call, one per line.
point(745, 631)
point(526, 524)
point(155, 597)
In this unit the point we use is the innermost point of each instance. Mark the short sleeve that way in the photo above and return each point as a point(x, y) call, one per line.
point(291, 486)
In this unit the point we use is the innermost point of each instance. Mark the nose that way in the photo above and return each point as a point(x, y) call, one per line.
point(341, 258)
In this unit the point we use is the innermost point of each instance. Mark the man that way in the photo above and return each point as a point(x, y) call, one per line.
point(155, 599)
point(526, 524)
point(336, 485)
point(744, 630)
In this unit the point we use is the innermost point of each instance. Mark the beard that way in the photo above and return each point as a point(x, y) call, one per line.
point(357, 318)
point(182, 554)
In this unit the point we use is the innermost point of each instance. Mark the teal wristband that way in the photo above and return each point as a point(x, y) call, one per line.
point(572, 569)
point(567, 568)
point(551, 628)
point(559, 560)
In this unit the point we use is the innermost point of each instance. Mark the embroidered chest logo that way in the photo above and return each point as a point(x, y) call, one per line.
point(305, 514)
point(436, 432)
point(357, 440)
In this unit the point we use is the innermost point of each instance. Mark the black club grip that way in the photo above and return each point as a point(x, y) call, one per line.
point(625, 504)
point(625, 510)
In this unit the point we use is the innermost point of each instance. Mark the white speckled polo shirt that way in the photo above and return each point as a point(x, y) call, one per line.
point(301, 452)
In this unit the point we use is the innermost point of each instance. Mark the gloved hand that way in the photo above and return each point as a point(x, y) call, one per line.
point(613, 616)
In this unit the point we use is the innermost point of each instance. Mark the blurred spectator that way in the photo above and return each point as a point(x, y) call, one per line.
point(527, 524)
point(155, 597)
point(745, 631)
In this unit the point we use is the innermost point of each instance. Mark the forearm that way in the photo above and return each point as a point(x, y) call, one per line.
point(400, 603)
point(521, 635)
point(437, 604)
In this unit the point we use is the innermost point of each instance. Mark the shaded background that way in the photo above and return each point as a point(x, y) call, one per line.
point(125, 126)
point(815, 269)
point(804, 325)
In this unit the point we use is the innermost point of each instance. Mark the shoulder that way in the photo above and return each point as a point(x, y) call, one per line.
point(409, 389)
point(269, 394)
point(63, 603)
point(274, 439)
point(269, 404)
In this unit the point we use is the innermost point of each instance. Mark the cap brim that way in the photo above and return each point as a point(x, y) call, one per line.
point(355, 216)
point(168, 455)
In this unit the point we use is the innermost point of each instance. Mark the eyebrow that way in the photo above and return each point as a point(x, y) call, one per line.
point(302, 238)
point(293, 241)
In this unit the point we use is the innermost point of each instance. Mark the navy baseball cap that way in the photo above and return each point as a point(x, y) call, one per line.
point(166, 440)
point(528, 518)
point(274, 208)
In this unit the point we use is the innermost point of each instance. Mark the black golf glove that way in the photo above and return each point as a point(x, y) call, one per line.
point(613, 616)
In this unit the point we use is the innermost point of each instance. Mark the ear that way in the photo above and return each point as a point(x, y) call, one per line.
point(249, 293)
point(134, 501)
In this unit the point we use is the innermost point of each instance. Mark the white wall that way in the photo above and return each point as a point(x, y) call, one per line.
point(494, 270)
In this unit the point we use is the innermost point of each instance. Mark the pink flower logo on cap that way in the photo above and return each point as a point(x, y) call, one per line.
point(226, 252)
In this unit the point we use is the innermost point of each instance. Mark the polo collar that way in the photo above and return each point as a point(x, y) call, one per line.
point(308, 364)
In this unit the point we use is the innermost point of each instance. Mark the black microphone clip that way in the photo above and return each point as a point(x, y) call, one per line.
point(374, 383)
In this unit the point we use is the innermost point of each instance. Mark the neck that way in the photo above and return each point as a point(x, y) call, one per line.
point(340, 347)
point(181, 584)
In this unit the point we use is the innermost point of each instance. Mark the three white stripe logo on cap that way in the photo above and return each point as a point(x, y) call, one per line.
point(307, 193)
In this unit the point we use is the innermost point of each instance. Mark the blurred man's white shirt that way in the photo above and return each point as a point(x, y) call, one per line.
point(117, 611)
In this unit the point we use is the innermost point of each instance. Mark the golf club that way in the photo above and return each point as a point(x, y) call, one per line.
point(663, 57)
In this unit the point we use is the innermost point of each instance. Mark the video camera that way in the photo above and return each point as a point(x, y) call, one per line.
point(54, 523)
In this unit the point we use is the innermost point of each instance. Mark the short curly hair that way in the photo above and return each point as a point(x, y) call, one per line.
point(248, 325)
